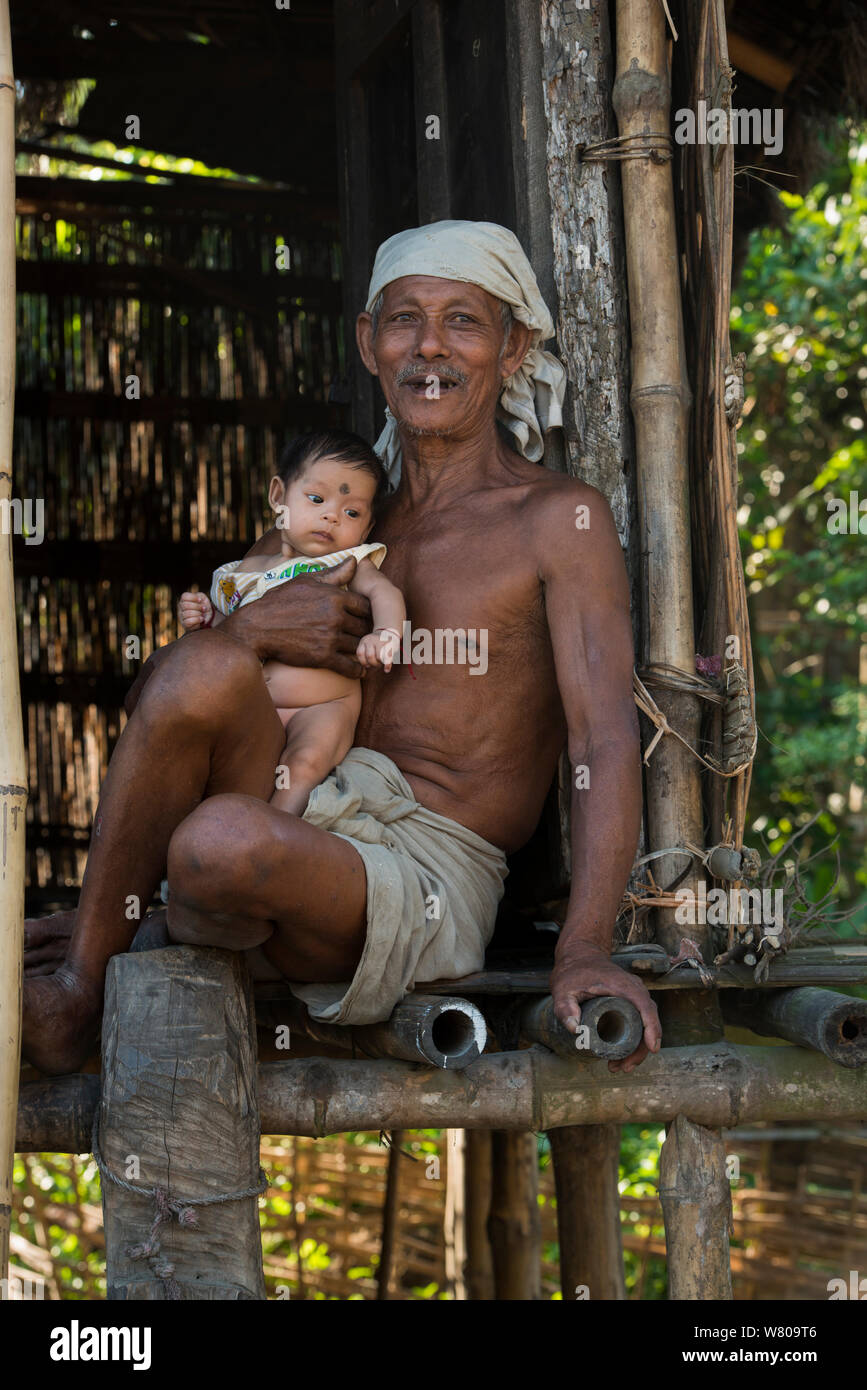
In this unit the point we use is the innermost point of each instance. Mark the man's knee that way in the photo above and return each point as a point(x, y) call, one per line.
point(201, 860)
point(205, 677)
point(212, 855)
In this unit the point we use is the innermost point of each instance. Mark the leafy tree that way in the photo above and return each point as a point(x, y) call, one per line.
point(799, 313)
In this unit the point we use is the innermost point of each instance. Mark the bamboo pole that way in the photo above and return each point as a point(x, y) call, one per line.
point(714, 1084)
point(454, 1217)
point(13, 771)
point(660, 400)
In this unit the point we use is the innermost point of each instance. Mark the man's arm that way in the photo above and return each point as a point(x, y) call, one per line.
point(309, 621)
point(587, 606)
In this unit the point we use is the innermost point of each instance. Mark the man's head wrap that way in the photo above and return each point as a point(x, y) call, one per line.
point(484, 254)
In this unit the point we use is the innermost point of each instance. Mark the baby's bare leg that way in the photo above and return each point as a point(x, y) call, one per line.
point(298, 687)
point(317, 739)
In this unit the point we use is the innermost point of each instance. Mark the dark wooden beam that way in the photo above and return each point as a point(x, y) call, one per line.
point(366, 31)
point(431, 99)
point(175, 285)
point(166, 201)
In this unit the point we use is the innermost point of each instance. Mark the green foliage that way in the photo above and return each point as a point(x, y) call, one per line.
point(798, 313)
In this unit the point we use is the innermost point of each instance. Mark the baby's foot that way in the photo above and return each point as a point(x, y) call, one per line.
point(60, 1022)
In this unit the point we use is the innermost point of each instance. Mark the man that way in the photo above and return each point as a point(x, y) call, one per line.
point(479, 536)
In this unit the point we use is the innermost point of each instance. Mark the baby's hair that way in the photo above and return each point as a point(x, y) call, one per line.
point(306, 449)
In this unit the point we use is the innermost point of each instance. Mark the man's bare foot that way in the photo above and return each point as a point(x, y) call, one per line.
point(60, 1022)
point(46, 941)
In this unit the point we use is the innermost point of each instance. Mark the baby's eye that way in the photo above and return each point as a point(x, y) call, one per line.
point(312, 497)
point(352, 514)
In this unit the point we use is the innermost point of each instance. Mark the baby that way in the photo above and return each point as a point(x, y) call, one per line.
point(324, 495)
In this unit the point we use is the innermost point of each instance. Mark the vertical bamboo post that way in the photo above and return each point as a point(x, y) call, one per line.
point(13, 772)
point(586, 1170)
point(477, 1209)
point(454, 1221)
point(514, 1224)
point(660, 402)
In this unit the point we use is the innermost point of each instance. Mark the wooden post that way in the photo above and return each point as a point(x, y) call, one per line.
point(390, 1210)
point(13, 768)
point(586, 1162)
point(514, 1225)
point(697, 1210)
point(477, 1207)
point(180, 1114)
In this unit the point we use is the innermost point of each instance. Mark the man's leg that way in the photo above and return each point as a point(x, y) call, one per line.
point(204, 725)
point(245, 874)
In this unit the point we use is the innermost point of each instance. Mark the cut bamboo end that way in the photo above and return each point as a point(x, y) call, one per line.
point(612, 1028)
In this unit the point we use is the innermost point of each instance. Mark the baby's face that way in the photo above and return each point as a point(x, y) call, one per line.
point(330, 507)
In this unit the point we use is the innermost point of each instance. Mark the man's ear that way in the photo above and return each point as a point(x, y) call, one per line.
point(364, 338)
point(517, 347)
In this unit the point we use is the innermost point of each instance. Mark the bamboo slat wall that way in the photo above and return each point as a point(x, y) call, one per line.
point(792, 1233)
point(143, 497)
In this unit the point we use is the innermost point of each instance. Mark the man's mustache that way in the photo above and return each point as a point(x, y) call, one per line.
point(444, 373)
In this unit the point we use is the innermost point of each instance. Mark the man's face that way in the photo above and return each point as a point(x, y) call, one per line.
point(438, 352)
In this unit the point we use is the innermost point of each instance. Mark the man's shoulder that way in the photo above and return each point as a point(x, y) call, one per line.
point(561, 504)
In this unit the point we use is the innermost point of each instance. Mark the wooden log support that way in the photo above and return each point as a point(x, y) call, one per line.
point(586, 1171)
point(514, 1224)
point(697, 1211)
point(438, 1031)
point(13, 769)
point(822, 1019)
point(179, 1114)
point(614, 1028)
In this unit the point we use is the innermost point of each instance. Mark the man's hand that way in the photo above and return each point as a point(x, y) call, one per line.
point(585, 971)
point(309, 621)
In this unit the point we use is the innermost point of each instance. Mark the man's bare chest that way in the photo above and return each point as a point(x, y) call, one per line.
point(470, 578)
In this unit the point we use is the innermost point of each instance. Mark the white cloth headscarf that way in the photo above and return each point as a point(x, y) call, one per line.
point(484, 254)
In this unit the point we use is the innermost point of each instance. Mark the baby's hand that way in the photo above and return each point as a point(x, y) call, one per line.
point(379, 648)
point(194, 610)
